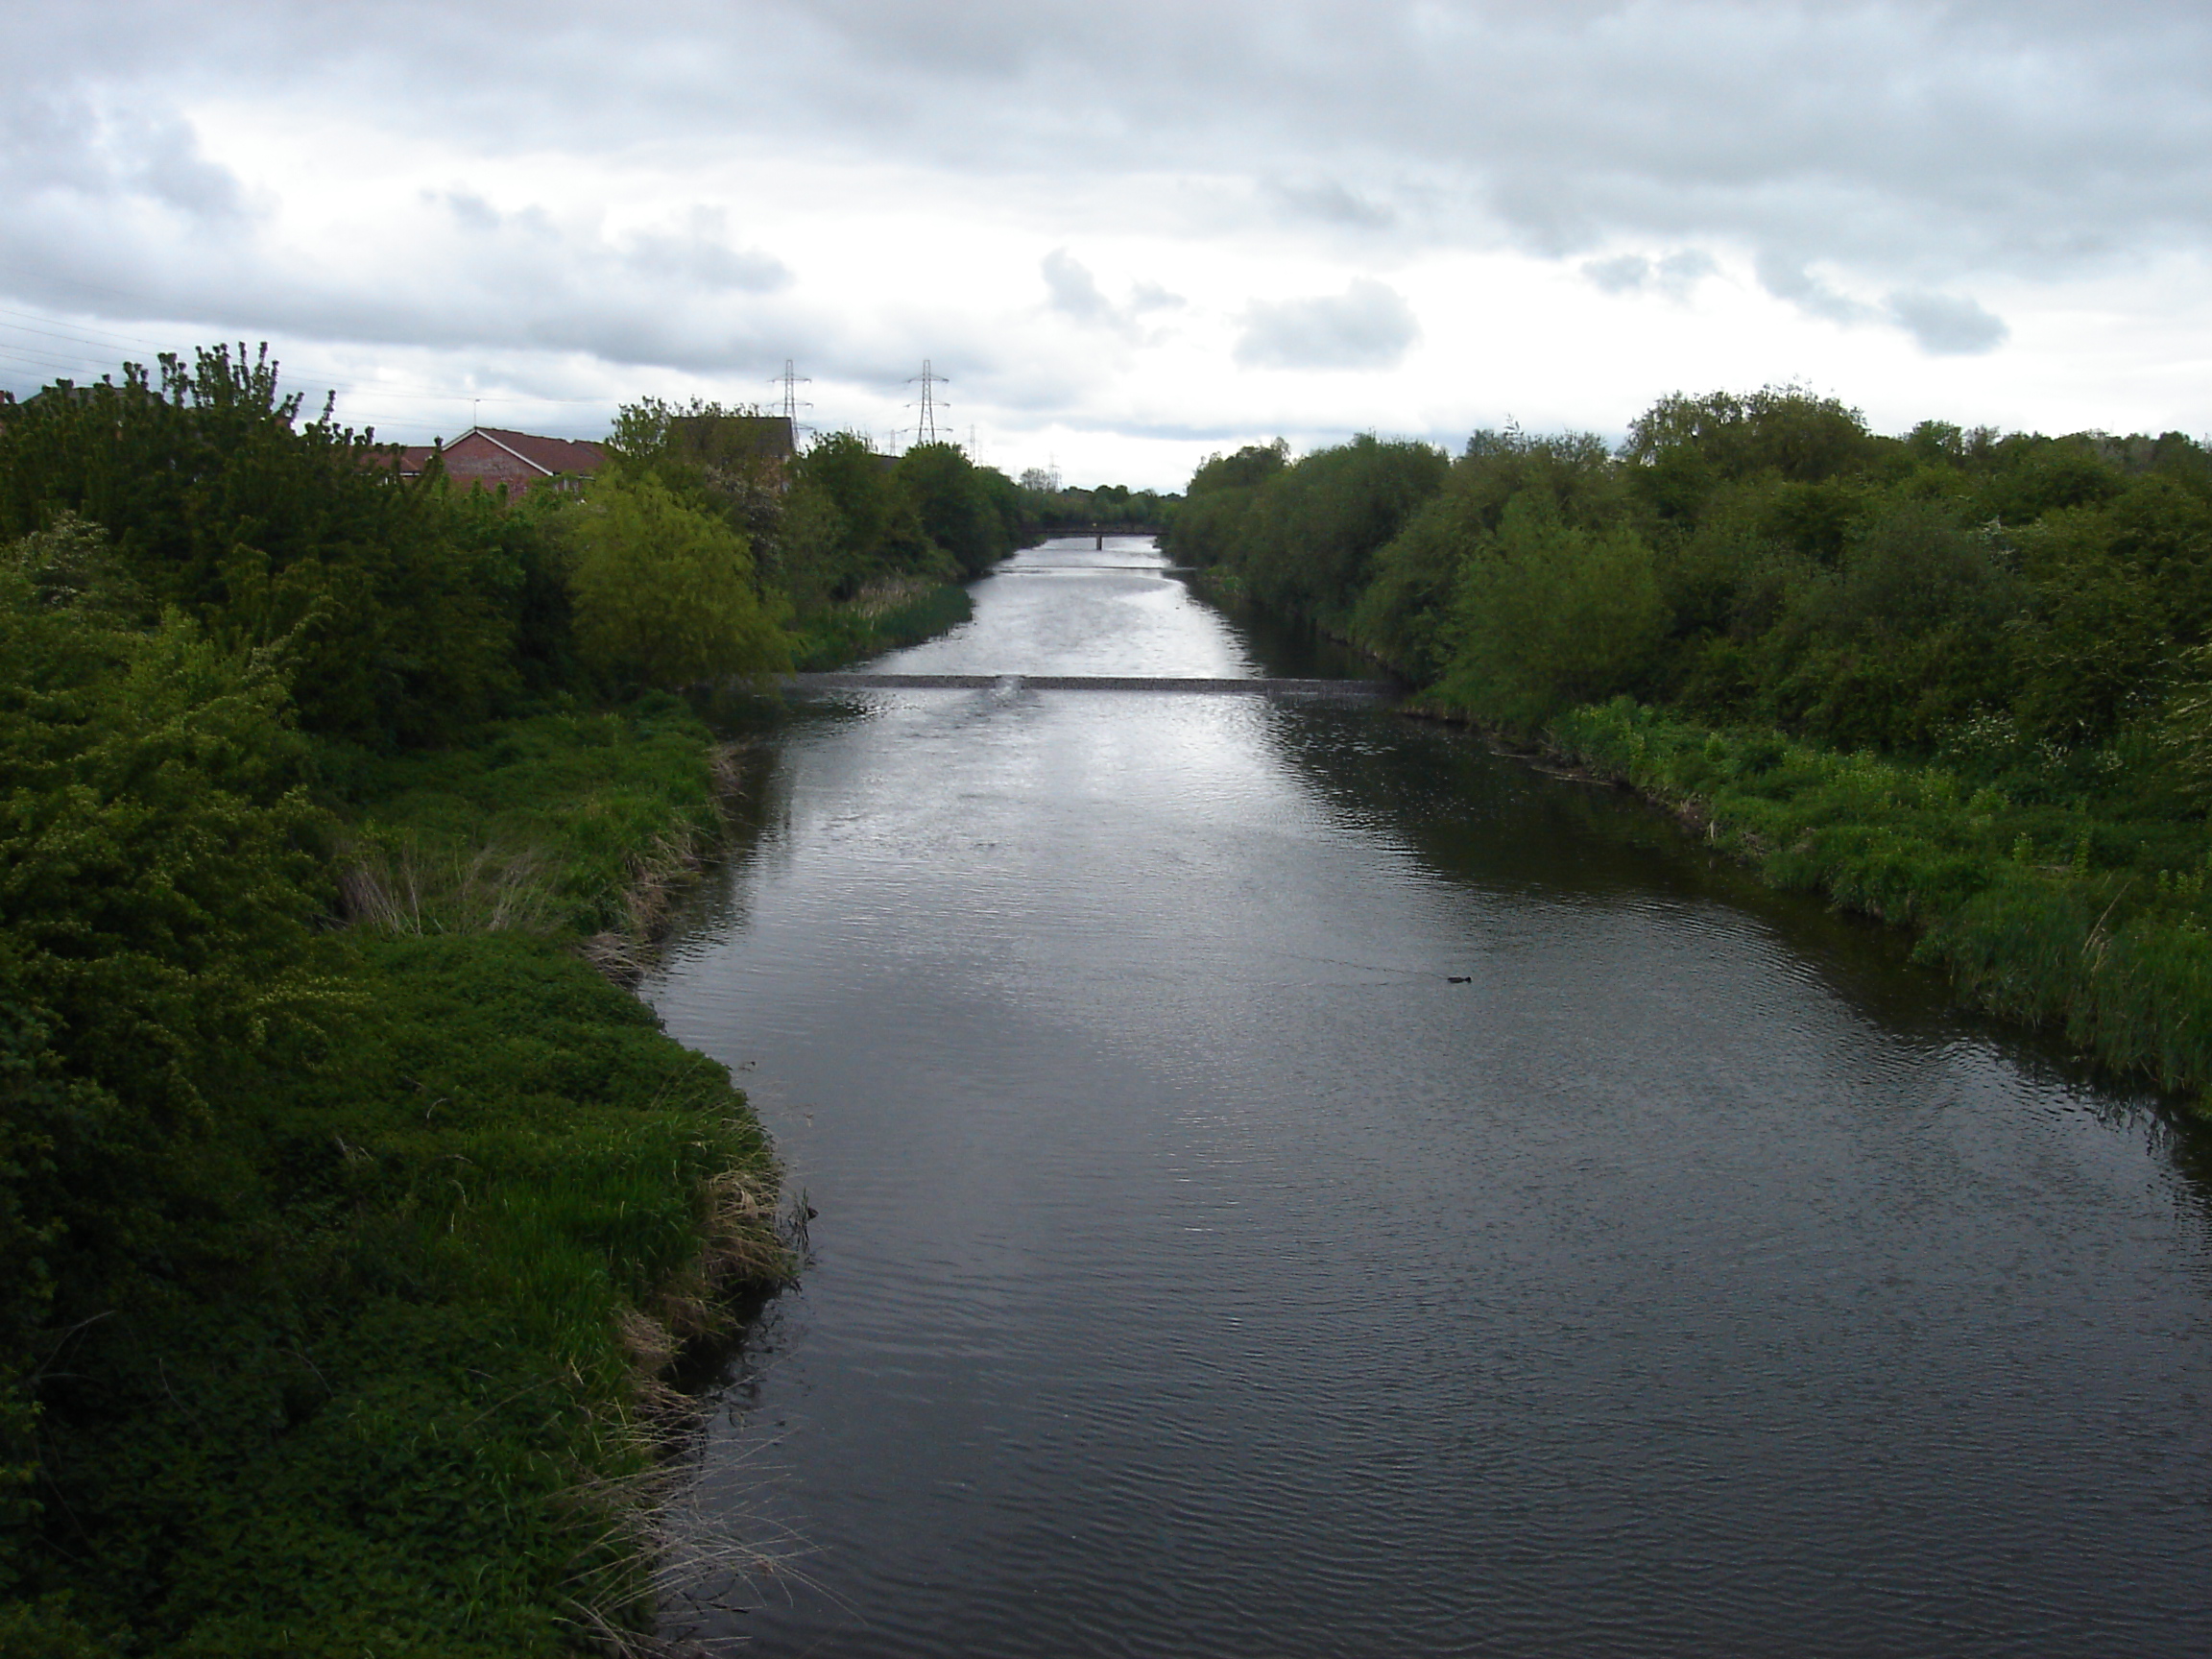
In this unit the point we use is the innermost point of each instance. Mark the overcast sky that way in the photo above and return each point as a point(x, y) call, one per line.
point(1127, 234)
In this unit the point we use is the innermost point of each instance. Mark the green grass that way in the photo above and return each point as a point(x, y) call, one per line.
point(877, 623)
point(2075, 914)
point(383, 1374)
point(550, 822)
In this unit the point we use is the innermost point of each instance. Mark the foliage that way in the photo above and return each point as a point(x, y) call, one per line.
point(1550, 614)
point(967, 511)
point(221, 503)
point(1044, 506)
point(729, 462)
point(334, 1257)
point(663, 594)
point(367, 1408)
point(848, 523)
point(320, 1341)
point(884, 617)
point(1301, 537)
point(1405, 613)
point(467, 839)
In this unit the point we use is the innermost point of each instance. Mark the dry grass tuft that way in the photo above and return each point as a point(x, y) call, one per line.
point(394, 886)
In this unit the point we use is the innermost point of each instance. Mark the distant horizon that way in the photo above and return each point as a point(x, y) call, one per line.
point(1127, 234)
point(598, 431)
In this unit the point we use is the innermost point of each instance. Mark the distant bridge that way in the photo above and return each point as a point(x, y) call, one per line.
point(1099, 532)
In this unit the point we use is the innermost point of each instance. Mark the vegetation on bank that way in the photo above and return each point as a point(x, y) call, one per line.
point(885, 617)
point(350, 1214)
point(1959, 680)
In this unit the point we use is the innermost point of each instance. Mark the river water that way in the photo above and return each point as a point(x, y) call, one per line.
point(1290, 1181)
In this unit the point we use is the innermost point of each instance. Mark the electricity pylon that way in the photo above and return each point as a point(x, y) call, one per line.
point(791, 381)
point(926, 422)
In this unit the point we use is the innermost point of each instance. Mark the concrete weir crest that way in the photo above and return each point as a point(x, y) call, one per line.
point(1329, 690)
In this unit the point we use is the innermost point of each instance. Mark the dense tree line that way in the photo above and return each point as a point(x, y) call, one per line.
point(838, 518)
point(1049, 505)
point(2029, 608)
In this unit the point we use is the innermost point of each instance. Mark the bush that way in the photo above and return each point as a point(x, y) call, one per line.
point(663, 594)
point(1548, 615)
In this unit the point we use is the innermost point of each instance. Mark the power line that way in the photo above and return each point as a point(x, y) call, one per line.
point(399, 392)
point(103, 339)
point(33, 360)
point(109, 340)
point(81, 336)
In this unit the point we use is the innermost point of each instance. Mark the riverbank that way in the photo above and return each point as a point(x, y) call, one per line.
point(392, 1377)
point(2050, 913)
point(1957, 680)
point(887, 616)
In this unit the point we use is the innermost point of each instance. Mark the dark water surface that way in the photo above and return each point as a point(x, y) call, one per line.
point(1200, 1272)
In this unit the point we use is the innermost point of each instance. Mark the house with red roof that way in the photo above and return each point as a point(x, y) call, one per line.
point(493, 457)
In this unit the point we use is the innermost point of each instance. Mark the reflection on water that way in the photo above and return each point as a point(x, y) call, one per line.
point(1200, 1269)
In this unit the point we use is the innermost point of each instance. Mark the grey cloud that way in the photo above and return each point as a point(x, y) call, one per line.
point(1072, 291)
point(1885, 148)
point(2004, 131)
point(1624, 274)
point(471, 211)
point(1947, 325)
point(1369, 325)
point(1674, 275)
point(1942, 324)
point(1329, 202)
point(700, 249)
point(1789, 279)
point(66, 141)
point(1915, 144)
point(1917, 141)
point(475, 278)
point(695, 250)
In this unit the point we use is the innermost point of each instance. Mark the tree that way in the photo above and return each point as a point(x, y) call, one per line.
point(1549, 615)
point(219, 500)
point(664, 595)
point(955, 506)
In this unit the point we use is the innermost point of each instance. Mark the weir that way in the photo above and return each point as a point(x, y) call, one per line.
point(1329, 690)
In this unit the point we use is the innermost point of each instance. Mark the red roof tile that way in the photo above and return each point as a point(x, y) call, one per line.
point(492, 456)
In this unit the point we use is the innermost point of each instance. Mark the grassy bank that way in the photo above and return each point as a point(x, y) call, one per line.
point(580, 824)
point(884, 617)
point(2069, 913)
point(367, 1358)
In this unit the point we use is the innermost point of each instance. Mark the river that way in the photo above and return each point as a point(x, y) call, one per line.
point(1290, 1181)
